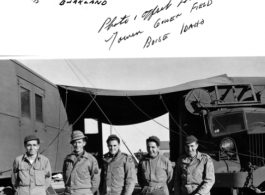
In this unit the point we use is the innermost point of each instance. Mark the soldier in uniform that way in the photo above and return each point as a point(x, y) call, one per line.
point(194, 171)
point(118, 175)
point(154, 170)
point(31, 171)
point(80, 169)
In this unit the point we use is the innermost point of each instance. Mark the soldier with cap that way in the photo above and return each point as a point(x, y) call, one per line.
point(154, 170)
point(31, 171)
point(80, 169)
point(118, 175)
point(194, 171)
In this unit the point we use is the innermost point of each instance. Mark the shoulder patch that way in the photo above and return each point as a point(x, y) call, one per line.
point(206, 157)
point(96, 170)
point(210, 168)
point(210, 160)
point(130, 159)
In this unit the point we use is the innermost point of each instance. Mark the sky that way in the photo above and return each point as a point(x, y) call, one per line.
point(141, 74)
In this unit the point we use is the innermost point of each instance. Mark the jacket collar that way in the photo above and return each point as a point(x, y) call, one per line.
point(25, 156)
point(72, 156)
point(149, 157)
point(186, 159)
point(85, 155)
point(107, 156)
point(199, 155)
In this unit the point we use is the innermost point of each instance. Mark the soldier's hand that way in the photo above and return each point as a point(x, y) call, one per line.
point(258, 191)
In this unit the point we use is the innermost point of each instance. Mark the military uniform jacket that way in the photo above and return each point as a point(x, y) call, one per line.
point(81, 175)
point(155, 172)
point(33, 178)
point(118, 175)
point(195, 176)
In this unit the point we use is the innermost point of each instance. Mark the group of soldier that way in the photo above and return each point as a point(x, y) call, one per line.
point(194, 171)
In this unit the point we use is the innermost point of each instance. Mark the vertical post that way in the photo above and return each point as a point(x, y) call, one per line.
point(234, 191)
point(100, 143)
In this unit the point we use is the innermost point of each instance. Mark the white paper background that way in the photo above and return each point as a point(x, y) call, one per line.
point(46, 29)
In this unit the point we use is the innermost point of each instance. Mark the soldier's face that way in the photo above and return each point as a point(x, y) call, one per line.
point(191, 149)
point(32, 147)
point(79, 145)
point(113, 146)
point(152, 149)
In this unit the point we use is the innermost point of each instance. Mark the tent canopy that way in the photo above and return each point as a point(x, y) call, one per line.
point(125, 107)
point(218, 80)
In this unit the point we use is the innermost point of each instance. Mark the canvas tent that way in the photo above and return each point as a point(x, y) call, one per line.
point(125, 107)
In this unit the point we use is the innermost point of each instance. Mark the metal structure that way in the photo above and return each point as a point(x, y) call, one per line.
point(229, 121)
point(29, 104)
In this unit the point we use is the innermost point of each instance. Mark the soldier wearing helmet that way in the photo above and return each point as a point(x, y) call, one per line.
point(194, 172)
point(118, 175)
point(80, 169)
point(154, 170)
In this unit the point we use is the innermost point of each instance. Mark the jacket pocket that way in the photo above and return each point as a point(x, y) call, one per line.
point(23, 174)
point(160, 174)
point(118, 173)
point(85, 173)
point(39, 173)
point(120, 170)
point(199, 170)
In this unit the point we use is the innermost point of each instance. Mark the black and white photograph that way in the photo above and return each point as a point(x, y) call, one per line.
point(103, 97)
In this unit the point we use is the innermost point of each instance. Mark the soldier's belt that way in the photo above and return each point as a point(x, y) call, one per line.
point(187, 185)
point(154, 184)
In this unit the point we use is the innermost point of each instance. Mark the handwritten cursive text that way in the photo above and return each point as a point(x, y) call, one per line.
point(148, 14)
point(122, 38)
point(197, 6)
point(182, 2)
point(185, 27)
point(109, 23)
point(153, 21)
point(96, 2)
point(172, 18)
point(151, 41)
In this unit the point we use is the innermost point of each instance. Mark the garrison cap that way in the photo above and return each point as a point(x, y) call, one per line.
point(155, 139)
point(76, 135)
point(31, 137)
point(190, 139)
point(113, 137)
